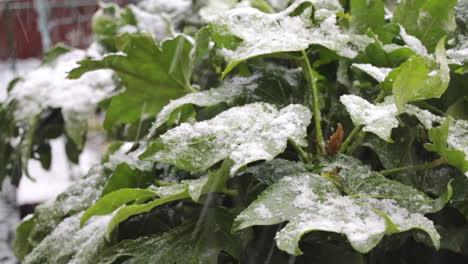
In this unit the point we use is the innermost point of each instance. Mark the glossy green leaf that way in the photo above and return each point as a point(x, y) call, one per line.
point(374, 206)
point(421, 78)
point(152, 74)
point(125, 176)
point(244, 134)
point(428, 20)
point(450, 140)
point(112, 201)
point(181, 245)
point(289, 30)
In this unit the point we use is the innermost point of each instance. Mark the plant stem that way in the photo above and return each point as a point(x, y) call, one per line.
point(307, 69)
point(423, 166)
point(302, 154)
point(358, 129)
point(348, 139)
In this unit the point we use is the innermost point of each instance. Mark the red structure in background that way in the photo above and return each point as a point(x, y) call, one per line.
point(69, 23)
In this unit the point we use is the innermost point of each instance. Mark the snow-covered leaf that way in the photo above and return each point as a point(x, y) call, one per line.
point(374, 206)
point(272, 171)
point(193, 189)
point(49, 215)
point(73, 200)
point(181, 245)
point(246, 32)
point(48, 87)
point(450, 140)
point(378, 73)
point(272, 84)
point(68, 243)
point(244, 134)
point(378, 119)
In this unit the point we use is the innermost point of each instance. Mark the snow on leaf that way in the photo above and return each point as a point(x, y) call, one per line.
point(228, 92)
point(68, 242)
point(378, 119)
point(377, 73)
point(258, 33)
point(244, 134)
point(74, 199)
point(312, 203)
point(413, 43)
point(48, 87)
point(182, 245)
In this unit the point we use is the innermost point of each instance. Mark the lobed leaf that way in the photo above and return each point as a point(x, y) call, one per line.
point(244, 134)
point(374, 206)
point(181, 245)
point(152, 74)
point(289, 30)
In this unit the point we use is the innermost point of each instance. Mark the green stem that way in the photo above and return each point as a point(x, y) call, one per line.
point(360, 137)
point(357, 131)
point(163, 183)
point(309, 74)
point(348, 139)
point(423, 166)
point(302, 154)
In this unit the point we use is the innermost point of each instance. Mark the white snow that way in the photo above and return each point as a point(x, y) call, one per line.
point(378, 73)
point(378, 119)
point(263, 211)
point(269, 33)
point(248, 133)
point(7, 73)
point(413, 42)
point(47, 86)
point(50, 183)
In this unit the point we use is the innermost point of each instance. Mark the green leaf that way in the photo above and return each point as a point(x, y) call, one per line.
point(374, 206)
point(378, 119)
point(273, 84)
point(450, 140)
point(273, 170)
point(181, 245)
point(213, 182)
point(422, 78)
point(68, 243)
point(428, 20)
point(125, 176)
point(54, 53)
point(281, 32)
point(244, 134)
point(189, 188)
point(22, 246)
point(367, 14)
point(152, 75)
point(109, 203)
point(76, 198)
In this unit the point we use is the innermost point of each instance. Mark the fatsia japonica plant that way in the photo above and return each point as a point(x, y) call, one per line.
point(307, 131)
